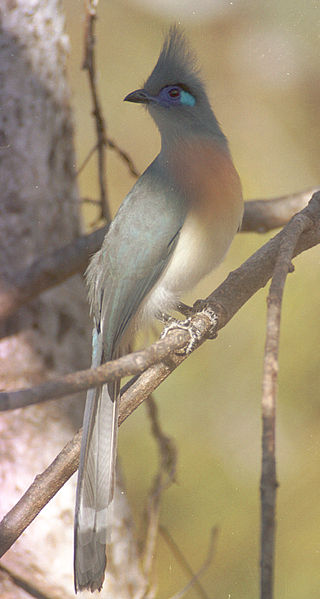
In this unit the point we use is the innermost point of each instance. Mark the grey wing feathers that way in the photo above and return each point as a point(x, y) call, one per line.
point(134, 253)
point(95, 482)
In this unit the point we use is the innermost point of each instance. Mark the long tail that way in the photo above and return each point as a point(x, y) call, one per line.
point(95, 486)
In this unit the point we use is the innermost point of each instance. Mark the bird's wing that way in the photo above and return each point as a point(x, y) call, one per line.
point(136, 250)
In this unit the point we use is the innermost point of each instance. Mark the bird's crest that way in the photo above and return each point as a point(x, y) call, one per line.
point(176, 64)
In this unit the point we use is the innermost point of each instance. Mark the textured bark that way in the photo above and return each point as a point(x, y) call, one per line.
point(39, 213)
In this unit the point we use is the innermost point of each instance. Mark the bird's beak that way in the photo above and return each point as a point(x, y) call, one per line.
point(139, 96)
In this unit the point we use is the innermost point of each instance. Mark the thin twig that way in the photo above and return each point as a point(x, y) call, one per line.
point(125, 157)
point(162, 480)
point(194, 580)
point(268, 487)
point(53, 269)
point(90, 201)
point(89, 64)
point(113, 146)
point(87, 159)
point(129, 365)
point(33, 589)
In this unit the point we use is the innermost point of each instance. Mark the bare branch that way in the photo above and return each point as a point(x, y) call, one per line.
point(261, 216)
point(301, 222)
point(82, 380)
point(48, 271)
point(113, 146)
point(51, 270)
point(124, 155)
point(163, 479)
point(86, 160)
point(89, 64)
point(43, 488)
point(33, 589)
point(228, 298)
point(194, 581)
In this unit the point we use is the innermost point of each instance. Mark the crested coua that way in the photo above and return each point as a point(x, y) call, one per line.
point(172, 229)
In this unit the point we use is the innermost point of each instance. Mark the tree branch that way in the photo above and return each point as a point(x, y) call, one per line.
point(43, 488)
point(228, 298)
point(261, 215)
point(165, 476)
point(194, 577)
point(131, 364)
point(53, 269)
point(268, 486)
point(48, 271)
point(89, 64)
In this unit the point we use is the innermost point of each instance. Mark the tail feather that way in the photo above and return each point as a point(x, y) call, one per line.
point(95, 486)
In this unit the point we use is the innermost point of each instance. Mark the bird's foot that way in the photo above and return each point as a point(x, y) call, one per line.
point(204, 307)
point(185, 325)
point(201, 306)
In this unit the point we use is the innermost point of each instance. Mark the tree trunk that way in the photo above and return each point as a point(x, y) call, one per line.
point(39, 213)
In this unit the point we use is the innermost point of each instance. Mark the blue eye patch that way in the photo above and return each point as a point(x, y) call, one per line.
point(187, 99)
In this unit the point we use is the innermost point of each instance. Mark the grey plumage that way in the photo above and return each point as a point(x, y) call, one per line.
point(178, 64)
point(174, 226)
point(118, 282)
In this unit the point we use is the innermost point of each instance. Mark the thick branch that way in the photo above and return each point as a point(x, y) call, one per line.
point(226, 300)
point(48, 271)
point(51, 270)
point(261, 216)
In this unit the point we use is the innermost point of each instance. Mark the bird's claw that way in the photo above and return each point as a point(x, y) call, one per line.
point(210, 313)
point(204, 307)
point(185, 325)
point(172, 323)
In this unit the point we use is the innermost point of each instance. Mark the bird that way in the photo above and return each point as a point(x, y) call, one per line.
point(173, 228)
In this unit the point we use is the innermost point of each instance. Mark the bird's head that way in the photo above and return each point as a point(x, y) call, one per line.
point(174, 93)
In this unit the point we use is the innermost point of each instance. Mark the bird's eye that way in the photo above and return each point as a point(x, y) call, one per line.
point(174, 92)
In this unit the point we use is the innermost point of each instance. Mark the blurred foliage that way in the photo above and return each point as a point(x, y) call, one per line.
point(261, 64)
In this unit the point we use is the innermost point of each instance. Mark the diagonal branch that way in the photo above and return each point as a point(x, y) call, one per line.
point(48, 271)
point(228, 298)
point(53, 269)
point(194, 577)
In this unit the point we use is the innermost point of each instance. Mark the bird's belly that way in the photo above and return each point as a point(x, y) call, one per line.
point(213, 191)
point(201, 247)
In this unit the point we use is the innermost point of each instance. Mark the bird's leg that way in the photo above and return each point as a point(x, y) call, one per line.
point(164, 317)
point(185, 309)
